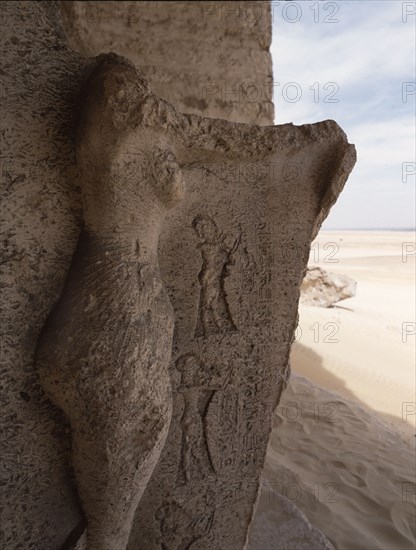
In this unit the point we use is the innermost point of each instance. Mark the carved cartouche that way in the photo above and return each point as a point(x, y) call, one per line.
point(103, 353)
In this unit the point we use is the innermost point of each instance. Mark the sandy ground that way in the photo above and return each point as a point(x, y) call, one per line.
point(342, 447)
point(350, 475)
point(363, 348)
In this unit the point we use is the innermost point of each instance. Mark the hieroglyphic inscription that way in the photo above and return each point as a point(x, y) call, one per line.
point(265, 259)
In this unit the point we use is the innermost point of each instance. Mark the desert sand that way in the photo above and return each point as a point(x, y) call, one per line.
point(350, 475)
point(364, 348)
point(341, 455)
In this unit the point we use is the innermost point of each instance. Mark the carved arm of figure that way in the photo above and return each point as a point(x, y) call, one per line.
point(103, 353)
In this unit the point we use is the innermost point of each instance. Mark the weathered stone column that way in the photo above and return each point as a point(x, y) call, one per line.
point(232, 256)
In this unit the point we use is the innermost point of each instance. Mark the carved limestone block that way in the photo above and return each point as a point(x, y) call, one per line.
point(231, 254)
point(253, 196)
point(41, 216)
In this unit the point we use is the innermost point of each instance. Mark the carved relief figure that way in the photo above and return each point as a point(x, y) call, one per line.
point(103, 353)
point(197, 391)
point(214, 313)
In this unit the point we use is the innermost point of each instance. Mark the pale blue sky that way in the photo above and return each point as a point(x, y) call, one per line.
point(361, 53)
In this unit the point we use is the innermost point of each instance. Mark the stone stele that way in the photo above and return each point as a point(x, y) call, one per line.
point(230, 256)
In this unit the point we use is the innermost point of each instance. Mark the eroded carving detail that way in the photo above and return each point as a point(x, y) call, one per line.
point(198, 389)
point(104, 351)
point(223, 429)
point(214, 314)
point(261, 303)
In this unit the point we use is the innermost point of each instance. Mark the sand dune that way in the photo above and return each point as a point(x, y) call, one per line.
point(350, 474)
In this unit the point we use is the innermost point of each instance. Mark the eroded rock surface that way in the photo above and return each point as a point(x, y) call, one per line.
point(206, 58)
point(324, 289)
point(41, 216)
point(230, 259)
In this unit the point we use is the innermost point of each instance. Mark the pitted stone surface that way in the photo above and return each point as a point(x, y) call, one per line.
point(207, 58)
point(233, 257)
point(40, 223)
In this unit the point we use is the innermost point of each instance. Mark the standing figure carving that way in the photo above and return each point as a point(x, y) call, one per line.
point(197, 391)
point(104, 351)
point(214, 314)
